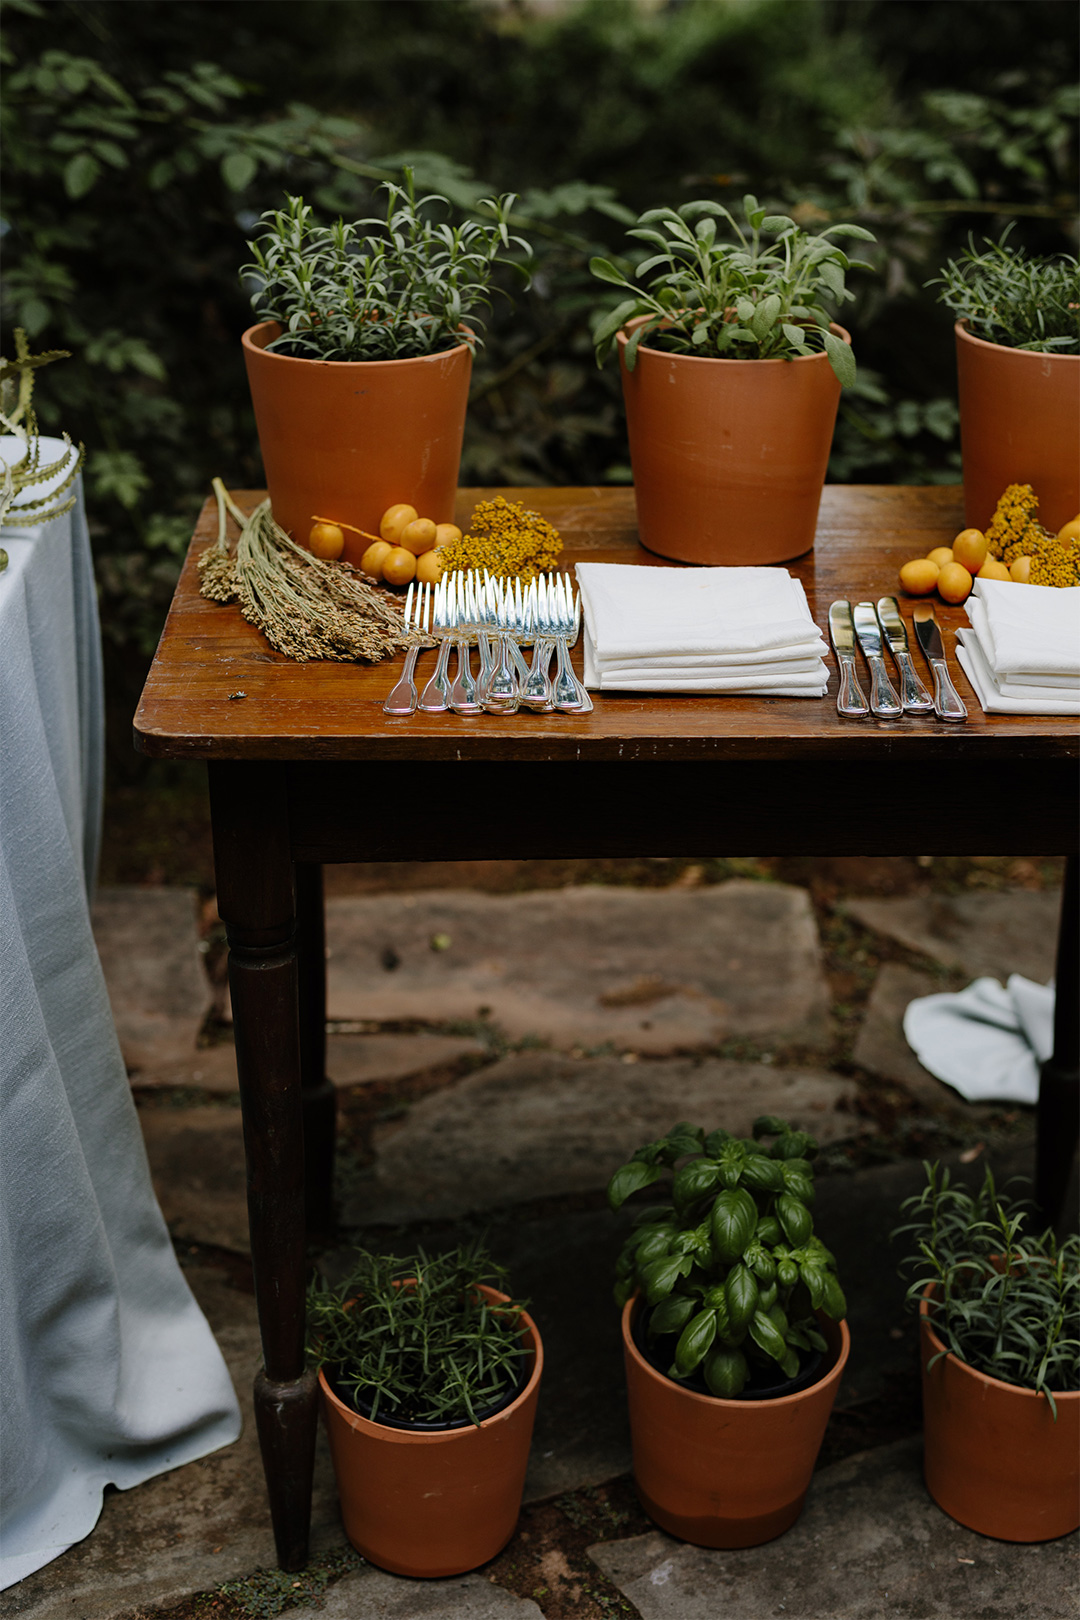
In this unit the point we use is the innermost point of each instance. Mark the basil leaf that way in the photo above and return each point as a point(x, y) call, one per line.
point(734, 1219)
point(726, 1372)
point(671, 1315)
point(693, 1181)
point(629, 1179)
point(742, 1296)
point(696, 1338)
point(763, 1175)
point(795, 1218)
point(834, 1303)
point(660, 1277)
point(766, 1337)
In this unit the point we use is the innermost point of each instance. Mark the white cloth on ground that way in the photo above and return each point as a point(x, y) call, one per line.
point(109, 1373)
point(699, 630)
point(986, 1041)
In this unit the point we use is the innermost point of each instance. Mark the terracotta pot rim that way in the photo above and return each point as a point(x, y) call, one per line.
point(247, 342)
point(1019, 1390)
point(713, 1401)
point(729, 359)
point(413, 1437)
point(960, 328)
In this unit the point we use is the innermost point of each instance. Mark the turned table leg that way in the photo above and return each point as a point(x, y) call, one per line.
point(317, 1093)
point(256, 903)
point(1058, 1110)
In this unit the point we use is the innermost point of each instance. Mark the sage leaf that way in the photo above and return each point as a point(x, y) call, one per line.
point(840, 358)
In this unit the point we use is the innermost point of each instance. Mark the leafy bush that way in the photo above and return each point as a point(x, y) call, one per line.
point(1006, 1302)
point(731, 1266)
point(740, 299)
point(1008, 298)
point(413, 1339)
point(400, 290)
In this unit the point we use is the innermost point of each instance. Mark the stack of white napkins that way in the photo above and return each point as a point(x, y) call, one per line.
point(1022, 653)
point(699, 630)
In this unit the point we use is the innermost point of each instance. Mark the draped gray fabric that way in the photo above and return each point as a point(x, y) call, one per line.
point(109, 1373)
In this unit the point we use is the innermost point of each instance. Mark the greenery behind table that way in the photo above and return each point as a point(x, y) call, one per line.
point(141, 144)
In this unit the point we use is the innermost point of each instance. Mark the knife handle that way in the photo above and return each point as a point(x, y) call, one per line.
point(948, 705)
point(913, 694)
point(849, 699)
point(883, 699)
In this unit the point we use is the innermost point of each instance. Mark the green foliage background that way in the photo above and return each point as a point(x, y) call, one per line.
point(141, 140)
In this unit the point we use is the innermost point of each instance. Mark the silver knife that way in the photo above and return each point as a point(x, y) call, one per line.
point(849, 699)
point(913, 694)
point(883, 699)
point(947, 702)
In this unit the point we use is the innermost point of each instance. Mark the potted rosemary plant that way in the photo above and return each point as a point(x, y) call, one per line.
point(1000, 1343)
point(429, 1376)
point(731, 372)
point(1018, 370)
point(359, 367)
point(733, 1331)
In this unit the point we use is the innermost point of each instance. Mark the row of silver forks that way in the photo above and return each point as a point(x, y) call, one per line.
point(499, 617)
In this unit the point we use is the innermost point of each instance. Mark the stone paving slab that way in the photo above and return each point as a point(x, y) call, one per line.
point(870, 1543)
point(370, 1594)
point(208, 1068)
point(197, 1164)
point(1014, 931)
point(189, 1529)
point(148, 943)
point(882, 1047)
point(536, 1124)
point(356, 1060)
point(647, 970)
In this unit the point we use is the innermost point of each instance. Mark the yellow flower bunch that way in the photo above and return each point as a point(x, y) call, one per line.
point(1015, 531)
point(507, 540)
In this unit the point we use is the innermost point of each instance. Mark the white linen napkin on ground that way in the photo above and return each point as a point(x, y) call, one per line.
point(1022, 653)
point(699, 630)
point(988, 1040)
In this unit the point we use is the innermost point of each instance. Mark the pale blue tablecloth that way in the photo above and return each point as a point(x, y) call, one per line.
point(109, 1373)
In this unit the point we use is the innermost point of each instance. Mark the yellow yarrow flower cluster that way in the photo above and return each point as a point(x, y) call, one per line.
point(507, 540)
point(1015, 531)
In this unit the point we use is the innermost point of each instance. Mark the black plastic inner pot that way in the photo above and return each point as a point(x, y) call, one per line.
point(357, 1401)
point(765, 1383)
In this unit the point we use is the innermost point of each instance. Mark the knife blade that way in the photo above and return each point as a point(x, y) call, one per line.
point(913, 694)
point(948, 704)
point(883, 699)
point(849, 699)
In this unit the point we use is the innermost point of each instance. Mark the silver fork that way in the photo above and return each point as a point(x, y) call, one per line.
point(463, 698)
point(500, 693)
point(536, 689)
point(435, 698)
point(402, 700)
point(570, 696)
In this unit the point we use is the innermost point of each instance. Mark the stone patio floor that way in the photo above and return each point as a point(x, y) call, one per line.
point(496, 1056)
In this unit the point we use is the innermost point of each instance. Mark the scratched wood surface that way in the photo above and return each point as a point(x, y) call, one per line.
point(330, 711)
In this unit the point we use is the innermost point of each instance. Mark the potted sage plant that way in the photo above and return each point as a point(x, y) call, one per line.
point(429, 1375)
point(733, 1332)
point(1018, 371)
point(359, 366)
point(999, 1309)
point(732, 369)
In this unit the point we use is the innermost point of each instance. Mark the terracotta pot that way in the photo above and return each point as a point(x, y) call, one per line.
point(994, 1458)
point(434, 1503)
point(345, 439)
point(729, 456)
point(1019, 424)
point(725, 1473)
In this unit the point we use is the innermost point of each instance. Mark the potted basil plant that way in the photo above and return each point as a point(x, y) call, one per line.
point(733, 1331)
point(1018, 371)
point(429, 1376)
point(731, 369)
point(999, 1309)
point(359, 366)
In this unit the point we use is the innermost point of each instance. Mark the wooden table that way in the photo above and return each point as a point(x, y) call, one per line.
point(305, 768)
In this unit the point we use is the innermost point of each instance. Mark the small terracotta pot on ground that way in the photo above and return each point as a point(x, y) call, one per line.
point(729, 456)
point(722, 1473)
point(427, 1504)
point(994, 1457)
point(345, 439)
point(1019, 424)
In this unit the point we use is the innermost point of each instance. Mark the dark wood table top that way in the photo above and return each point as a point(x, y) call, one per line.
point(326, 711)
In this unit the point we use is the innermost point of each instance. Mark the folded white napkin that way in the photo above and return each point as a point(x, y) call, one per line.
point(987, 1041)
point(1030, 634)
point(1006, 697)
point(699, 630)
